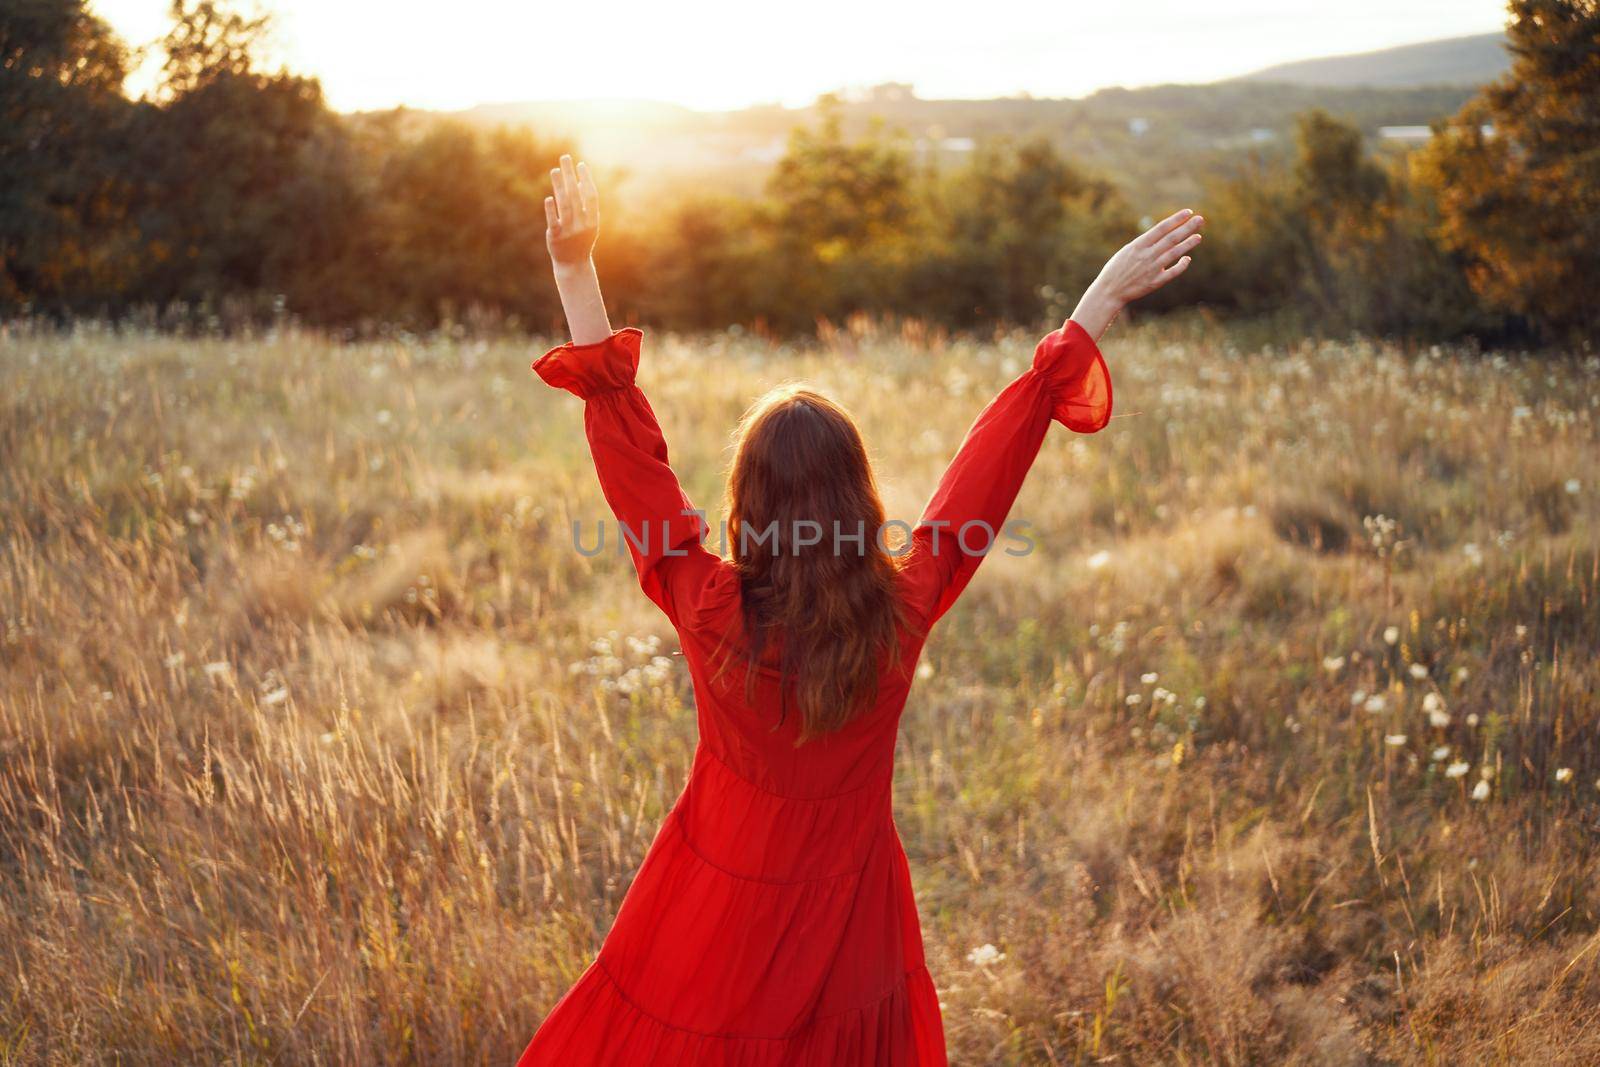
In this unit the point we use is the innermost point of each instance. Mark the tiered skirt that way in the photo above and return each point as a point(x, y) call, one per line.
point(761, 930)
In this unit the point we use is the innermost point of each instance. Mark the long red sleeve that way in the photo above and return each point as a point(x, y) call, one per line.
point(655, 517)
point(1068, 382)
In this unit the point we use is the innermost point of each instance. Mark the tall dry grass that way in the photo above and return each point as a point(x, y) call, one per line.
point(319, 743)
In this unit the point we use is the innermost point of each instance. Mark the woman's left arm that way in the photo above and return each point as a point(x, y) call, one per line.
point(1068, 382)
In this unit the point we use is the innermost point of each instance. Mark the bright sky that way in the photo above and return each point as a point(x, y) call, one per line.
point(717, 54)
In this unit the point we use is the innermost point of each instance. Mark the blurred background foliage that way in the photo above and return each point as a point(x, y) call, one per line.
point(233, 195)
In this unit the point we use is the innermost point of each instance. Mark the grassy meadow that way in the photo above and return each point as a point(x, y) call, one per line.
point(320, 743)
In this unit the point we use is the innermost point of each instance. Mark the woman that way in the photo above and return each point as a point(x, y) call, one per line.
point(772, 921)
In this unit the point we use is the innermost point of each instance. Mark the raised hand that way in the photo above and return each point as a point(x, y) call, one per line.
point(1139, 268)
point(572, 222)
point(572, 215)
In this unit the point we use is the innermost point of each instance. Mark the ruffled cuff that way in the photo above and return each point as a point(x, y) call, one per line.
point(1080, 383)
point(585, 370)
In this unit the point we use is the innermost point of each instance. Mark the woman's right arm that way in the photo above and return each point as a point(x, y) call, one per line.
point(572, 222)
point(655, 520)
point(1067, 382)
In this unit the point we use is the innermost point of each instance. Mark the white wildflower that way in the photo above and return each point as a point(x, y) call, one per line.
point(277, 696)
point(1563, 774)
point(1333, 664)
point(1418, 671)
point(1149, 677)
point(1458, 769)
point(1391, 635)
point(643, 646)
point(984, 955)
point(1357, 697)
point(1394, 740)
point(1472, 718)
point(1481, 790)
point(1099, 559)
point(218, 669)
point(1134, 698)
point(1440, 753)
point(1376, 704)
point(1574, 486)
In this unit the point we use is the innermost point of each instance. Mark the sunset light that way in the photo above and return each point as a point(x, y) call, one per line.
point(853, 533)
point(721, 54)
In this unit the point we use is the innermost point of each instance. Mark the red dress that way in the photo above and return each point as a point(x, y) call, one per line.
point(772, 921)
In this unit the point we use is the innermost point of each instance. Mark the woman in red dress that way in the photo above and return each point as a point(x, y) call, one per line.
point(772, 921)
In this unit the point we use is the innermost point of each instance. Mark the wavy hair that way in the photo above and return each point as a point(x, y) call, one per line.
point(799, 492)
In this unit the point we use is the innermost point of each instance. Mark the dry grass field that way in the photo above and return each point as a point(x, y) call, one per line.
point(320, 743)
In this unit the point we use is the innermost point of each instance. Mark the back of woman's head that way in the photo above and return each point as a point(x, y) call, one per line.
point(804, 522)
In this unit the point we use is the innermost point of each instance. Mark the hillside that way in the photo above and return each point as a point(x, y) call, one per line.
point(1470, 61)
point(1132, 136)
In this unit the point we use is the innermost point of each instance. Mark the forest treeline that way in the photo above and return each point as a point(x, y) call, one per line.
point(233, 193)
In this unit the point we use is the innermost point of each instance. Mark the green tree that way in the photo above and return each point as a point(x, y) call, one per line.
point(221, 160)
point(462, 220)
point(62, 126)
point(209, 41)
point(1517, 172)
point(1337, 240)
point(704, 259)
point(840, 222)
point(1021, 231)
point(1337, 218)
point(224, 211)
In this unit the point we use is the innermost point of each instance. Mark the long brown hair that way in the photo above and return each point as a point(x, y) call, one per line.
point(800, 472)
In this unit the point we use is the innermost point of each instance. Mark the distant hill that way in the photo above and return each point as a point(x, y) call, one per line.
point(1468, 61)
point(1155, 142)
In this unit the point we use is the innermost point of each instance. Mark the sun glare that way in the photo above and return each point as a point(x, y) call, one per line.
point(721, 54)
